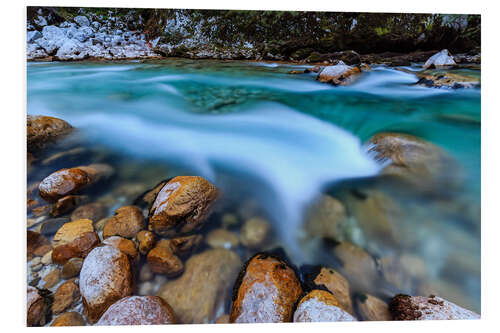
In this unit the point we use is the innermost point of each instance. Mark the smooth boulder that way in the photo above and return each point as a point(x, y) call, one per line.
point(320, 306)
point(42, 130)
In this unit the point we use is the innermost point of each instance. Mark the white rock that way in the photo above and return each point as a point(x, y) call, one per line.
point(53, 38)
point(440, 59)
point(34, 51)
point(82, 21)
point(71, 50)
point(40, 21)
point(31, 36)
point(314, 310)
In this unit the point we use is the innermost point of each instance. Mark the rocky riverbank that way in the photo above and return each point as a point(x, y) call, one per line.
point(68, 34)
point(152, 257)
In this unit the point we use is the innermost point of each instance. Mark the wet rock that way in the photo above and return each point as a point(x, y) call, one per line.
point(359, 267)
point(146, 288)
point(42, 130)
point(72, 268)
point(105, 278)
point(47, 258)
point(339, 74)
point(127, 222)
point(422, 163)
point(337, 285)
point(69, 319)
point(52, 278)
point(404, 307)
point(314, 69)
point(139, 310)
point(372, 308)
point(265, 292)
point(98, 171)
point(37, 306)
point(78, 248)
point(146, 240)
point(66, 204)
point(223, 319)
point(162, 260)
point(62, 183)
point(447, 80)
point(145, 274)
point(221, 238)
point(202, 289)
point(124, 245)
point(92, 211)
point(36, 244)
point(254, 232)
point(71, 230)
point(403, 271)
point(64, 156)
point(50, 226)
point(40, 210)
point(182, 206)
point(326, 218)
point(229, 220)
point(320, 306)
point(440, 60)
point(66, 296)
point(185, 245)
point(147, 198)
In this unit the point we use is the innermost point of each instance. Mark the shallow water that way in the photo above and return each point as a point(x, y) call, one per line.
point(258, 132)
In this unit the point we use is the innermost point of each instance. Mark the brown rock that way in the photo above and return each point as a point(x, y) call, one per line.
point(146, 240)
point(203, 288)
point(339, 74)
point(126, 222)
point(66, 204)
point(71, 230)
point(124, 245)
point(373, 308)
point(223, 319)
point(415, 160)
point(320, 306)
point(65, 297)
point(145, 274)
point(404, 307)
point(403, 271)
point(337, 285)
point(222, 238)
point(50, 226)
point(105, 278)
point(181, 206)
point(265, 291)
point(185, 245)
point(72, 268)
point(40, 210)
point(358, 266)
point(63, 182)
point(69, 319)
point(92, 211)
point(78, 248)
point(52, 278)
point(37, 306)
point(97, 171)
point(326, 218)
point(162, 260)
point(41, 130)
point(254, 232)
point(139, 310)
point(35, 242)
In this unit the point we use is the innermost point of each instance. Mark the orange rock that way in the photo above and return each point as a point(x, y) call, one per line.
point(65, 296)
point(373, 308)
point(337, 285)
point(65, 205)
point(62, 183)
point(185, 245)
point(127, 222)
point(182, 205)
point(139, 310)
point(265, 292)
point(78, 248)
point(34, 242)
point(146, 240)
point(41, 130)
point(71, 230)
point(320, 306)
point(69, 319)
point(162, 260)
point(93, 211)
point(124, 245)
point(37, 307)
point(105, 277)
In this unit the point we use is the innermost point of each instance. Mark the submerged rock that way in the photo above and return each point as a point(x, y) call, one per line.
point(423, 164)
point(320, 306)
point(105, 277)
point(67, 295)
point(93, 211)
point(146, 240)
point(222, 238)
point(63, 182)
point(404, 307)
point(440, 60)
point(162, 260)
point(265, 292)
point(337, 285)
point(185, 245)
point(41, 130)
point(37, 307)
point(138, 310)
point(127, 222)
point(69, 319)
point(201, 291)
point(372, 308)
point(182, 206)
point(339, 74)
point(326, 217)
point(254, 232)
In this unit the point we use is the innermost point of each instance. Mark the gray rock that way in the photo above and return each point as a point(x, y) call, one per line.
point(40, 21)
point(31, 36)
point(34, 51)
point(71, 50)
point(50, 226)
point(82, 21)
point(53, 38)
point(440, 60)
point(96, 25)
point(116, 40)
point(83, 34)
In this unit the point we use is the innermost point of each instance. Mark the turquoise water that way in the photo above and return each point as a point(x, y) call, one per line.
point(282, 138)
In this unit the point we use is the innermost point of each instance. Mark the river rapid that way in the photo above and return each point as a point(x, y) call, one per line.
point(275, 142)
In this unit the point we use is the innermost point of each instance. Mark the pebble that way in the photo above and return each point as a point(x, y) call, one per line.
point(127, 222)
point(71, 230)
point(254, 232)
point(337, 285)
point(69, 319)
point(72, 268)
point(221, 238)
point(65, 296)
point(52, 278)
point(162, 260)
point(146, 240)
point(372, 308)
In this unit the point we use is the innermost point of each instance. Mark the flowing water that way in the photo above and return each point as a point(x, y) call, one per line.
point(277, 141)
